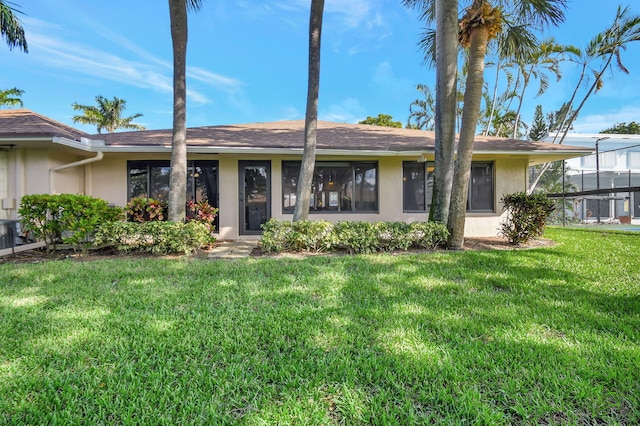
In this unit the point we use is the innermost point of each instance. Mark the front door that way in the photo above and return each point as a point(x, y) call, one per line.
point(255, 195)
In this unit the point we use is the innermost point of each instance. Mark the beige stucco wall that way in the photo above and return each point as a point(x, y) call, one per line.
point(107, 179)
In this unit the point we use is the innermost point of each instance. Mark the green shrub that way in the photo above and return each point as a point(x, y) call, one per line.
point(146, 209)
point(158, 237)
point(313, 236)
point(526, 216)
point(275, 237)
point(428, 234)
point(355, 237)
point(392, 236)
point(65, 218)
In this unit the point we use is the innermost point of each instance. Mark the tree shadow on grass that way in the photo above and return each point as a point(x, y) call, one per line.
point(486, 337)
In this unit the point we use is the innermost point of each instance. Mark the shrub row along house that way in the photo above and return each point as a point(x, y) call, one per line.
point(250, 171)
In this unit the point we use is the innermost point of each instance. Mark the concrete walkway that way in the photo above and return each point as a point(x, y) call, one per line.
point(233, 249)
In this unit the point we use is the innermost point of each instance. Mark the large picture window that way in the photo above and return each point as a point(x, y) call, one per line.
point(340, 186)
point(417, 186)
point(151, 179)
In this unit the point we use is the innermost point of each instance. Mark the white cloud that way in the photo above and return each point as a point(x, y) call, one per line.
point(145, 71)
point(348, 110)
point(595, 123)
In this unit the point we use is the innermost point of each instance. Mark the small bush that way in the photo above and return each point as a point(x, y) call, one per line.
point(353, 236)
point(156, 237)
point(357, 237)
point(313, 236)
point(146, 209)
point(65, 218)
point(428, 234)
point(201, 212)
point(526, 216)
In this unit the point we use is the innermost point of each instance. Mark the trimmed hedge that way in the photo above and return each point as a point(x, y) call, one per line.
point(157, 237)
point(353, 236)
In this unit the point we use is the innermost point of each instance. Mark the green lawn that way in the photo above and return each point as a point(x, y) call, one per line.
point(549, 336)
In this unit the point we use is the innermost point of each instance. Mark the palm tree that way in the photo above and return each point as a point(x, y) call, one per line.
point(443, 50)
point(11, 98)
point(422, 111)
point(107, 115)
point(482, 22)
point(11, 28)
point(605, 47)
point(178, 174)
point(543, 57)
point(303, 192)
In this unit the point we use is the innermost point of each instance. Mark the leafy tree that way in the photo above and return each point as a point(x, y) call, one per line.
point(11, 97)
point(178, 174)
point(623, 128)
point(422, 111)
point(107, 115)
point(556, 120)
point(11, 28)
point(381, 120)
point(303, 192)
point(539, 127)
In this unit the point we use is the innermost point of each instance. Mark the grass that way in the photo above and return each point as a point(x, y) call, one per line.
point(544, 336)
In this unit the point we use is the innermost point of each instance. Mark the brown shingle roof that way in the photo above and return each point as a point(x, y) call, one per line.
point(23, 123)
point(331, 136)
point(278, 135)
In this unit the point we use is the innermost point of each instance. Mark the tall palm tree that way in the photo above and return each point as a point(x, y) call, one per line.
point(11, 98)
point(604, 47)
point(303, 191)
point(11, 28)
point(482, 22)
point(441, 47)
point(107, 115)
point(178, 174)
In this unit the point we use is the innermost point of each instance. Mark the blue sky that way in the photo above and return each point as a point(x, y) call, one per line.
point(247, 61)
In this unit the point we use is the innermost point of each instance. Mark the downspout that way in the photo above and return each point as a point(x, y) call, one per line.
point(98, 157)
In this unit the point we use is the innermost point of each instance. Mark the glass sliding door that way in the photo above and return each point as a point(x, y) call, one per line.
point(255, 195)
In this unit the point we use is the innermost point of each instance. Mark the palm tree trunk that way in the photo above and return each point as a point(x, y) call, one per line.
point(445, 117)
point(178, 175)
point(462, 170)
point(303, 192)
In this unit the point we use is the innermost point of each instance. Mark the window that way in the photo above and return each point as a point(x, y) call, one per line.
point(480, 197)
point(151, 179)
point(340, 186)
point(417, 184)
